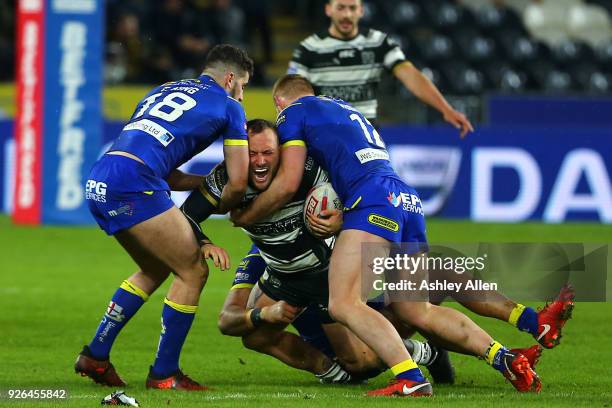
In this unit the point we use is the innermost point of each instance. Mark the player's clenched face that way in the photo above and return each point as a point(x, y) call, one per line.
point(345, 16)
point(264, 158)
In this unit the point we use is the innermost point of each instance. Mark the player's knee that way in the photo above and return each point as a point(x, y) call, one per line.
point(339, 310)
point(224, 325)
point(414, 319)
point(194, 276)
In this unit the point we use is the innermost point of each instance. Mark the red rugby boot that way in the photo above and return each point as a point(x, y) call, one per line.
point(520, 374)
point(177, 381)
point(101, 371)
point(553, 317)
point(403, 388)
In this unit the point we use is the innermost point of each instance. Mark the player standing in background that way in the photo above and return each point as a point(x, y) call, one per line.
point(128, 193)
point(345, 144)
point(347, 62)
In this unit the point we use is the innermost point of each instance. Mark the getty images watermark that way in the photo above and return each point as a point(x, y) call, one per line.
point(485, 271)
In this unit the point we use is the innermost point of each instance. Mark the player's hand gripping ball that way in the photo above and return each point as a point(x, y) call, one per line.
point(320, 197)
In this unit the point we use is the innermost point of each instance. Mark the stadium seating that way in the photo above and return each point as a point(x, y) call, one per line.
point(407, 16)
point(491, 19)
point(589, 23)
point(437, 48)
point(517, 5)
point(604, 56)
point(472, 46)
point(546, 21)
point(463, 79)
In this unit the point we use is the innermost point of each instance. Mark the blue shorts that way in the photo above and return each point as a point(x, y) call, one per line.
point(122, 192)
point(308, 325)
point(389, 208)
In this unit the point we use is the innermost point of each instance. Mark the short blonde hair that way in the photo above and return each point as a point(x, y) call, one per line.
point(292, 85)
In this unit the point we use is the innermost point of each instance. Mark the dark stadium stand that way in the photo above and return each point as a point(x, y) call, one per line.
point(469, 48)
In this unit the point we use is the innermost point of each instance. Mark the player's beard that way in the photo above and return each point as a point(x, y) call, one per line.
point(345, 32)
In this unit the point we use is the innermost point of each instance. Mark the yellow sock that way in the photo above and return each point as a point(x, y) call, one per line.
point(133, 289)
point(516, 314)
point(403, 366)
point(494, 347)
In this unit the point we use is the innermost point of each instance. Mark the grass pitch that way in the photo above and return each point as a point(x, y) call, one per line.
point(56, 283)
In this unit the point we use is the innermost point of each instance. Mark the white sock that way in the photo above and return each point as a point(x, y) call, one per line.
point(335, 375)
point(421, 353)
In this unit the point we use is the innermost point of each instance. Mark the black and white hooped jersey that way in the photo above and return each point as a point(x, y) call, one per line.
point(347, 69)
point(283, 241)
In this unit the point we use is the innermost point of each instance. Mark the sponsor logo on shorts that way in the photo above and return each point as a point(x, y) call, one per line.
point(95, 190)
point(242, 277)
point(115, 312)
point(243, 265)
point(383, 222)
point(125, 208)
point(409, 202)
point(272, 280)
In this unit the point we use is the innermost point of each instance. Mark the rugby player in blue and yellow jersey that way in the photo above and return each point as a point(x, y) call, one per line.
point(345, 144)
point(128, 193)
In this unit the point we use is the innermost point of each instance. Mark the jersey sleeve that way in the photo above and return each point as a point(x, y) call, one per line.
point(235, 133)
point(250, 269)
point(290, 125)
point(314, 174)
point(204, 201)
point(393, 54)
point(300, 63)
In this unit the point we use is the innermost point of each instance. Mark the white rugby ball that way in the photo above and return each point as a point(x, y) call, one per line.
point(321, 197)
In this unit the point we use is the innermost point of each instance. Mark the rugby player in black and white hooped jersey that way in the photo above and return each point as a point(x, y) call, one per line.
point(297, 261)
point(347, 62)
point(289, 266)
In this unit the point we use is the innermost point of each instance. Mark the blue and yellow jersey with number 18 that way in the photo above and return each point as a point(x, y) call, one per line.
point(178, 120)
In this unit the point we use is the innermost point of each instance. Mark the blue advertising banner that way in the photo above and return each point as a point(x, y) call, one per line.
point(549, 111)
point(72, 105)
point(7, 165)
point(508, 174)
point(496, 174)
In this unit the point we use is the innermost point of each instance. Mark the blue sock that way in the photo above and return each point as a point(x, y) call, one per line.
point(495, 356)
point(524, 318)
point(176, 322)
point(407, 370)
point(528, 321)
point(414, 374)
point(125, 303)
